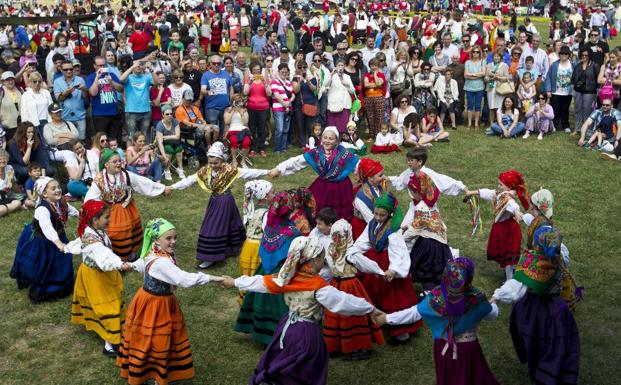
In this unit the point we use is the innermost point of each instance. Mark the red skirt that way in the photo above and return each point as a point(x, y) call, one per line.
point(505, 243)
point(385, 149)
point(357, 227)
point(338, 195)
point(389, 297)
point(348, 334)
point(469, 368)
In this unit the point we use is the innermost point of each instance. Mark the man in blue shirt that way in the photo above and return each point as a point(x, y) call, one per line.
point(217, 91)
point(71, 93)
point(102, 87)
point(500, 45)
point(137, 101)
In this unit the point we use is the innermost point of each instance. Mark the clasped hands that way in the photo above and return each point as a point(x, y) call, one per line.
point(225, 281)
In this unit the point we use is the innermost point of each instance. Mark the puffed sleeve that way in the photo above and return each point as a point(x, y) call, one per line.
point(487, 194)
point(528, 218)
point(401, 182)
point(493, 314)
point(511, 291)
point(72, 211)
point(362, 244)
point(512, 206)
point(364, 264)
point(164, 270)
point(254, 283)
point(251, 173)
point(363, 209)
point(138, 265)
point(398, 256)
point(185, 182)
point(42, 215)
point(93, 193)
point(407, 316)
point(342, 303)
point(292, 165)
point(104, 257)
point(444, 183)
point(145, 186)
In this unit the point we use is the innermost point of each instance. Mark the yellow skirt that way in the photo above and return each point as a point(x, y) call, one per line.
point(98, 303)
point(249, 260)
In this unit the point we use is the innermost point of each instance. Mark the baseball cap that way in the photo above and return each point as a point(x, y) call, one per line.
point(7, 75)
point(54, 107)
point(76, 62)
point(284, 50)
point(188, 95)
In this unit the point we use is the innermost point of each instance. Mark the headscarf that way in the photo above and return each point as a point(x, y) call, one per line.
point(388, 201)
point(422, 184)
point(302, 250)
point(105, 156)
point(332, 129)
point(515, 181)
point(40, 186)
point(368, 167)
point(543, 200)
point(341, 230)
point(255, 189)
point(90, 209)
point(455, 283)
point(153, 230)
point(280, 208)
point(538, 267)
point(218, 150)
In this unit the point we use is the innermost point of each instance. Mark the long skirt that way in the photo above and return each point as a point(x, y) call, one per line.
point(303, 360)
point(222, 233)
point(339, 120)
point(384, 149)
point(357, 226)
point(545, 336)
point(260, 313)
point(469, 368)
point(347, 334)
point(249, 260)
point(155, 343)
point(125, 230)
point(98, 302)
point(338, 195)
point(504, 244)
point(41, 267)
point(429, 258)
point(398, 294)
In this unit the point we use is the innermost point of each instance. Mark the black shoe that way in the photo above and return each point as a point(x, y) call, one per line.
point(109, 353)
point(360, 355)
point(396, 342)
point(445, 140)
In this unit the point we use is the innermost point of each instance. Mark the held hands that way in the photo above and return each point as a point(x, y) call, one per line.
point(226, 282)
point(168, 191)
point(127, 267)
point(378, 317)
point(389, 275)
point(274, 173)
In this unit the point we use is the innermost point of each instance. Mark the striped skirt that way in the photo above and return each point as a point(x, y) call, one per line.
point(125, 230)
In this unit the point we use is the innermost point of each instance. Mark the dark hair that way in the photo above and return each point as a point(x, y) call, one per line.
point(327, 215)
point(254, 64)
point(33, 165)
point(20, 135)
point(540, 95)
point(503, 108)
point(283, 66)
point(418, 153)
point(425, 65)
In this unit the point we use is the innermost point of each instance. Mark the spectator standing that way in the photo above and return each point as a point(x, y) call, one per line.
point(374, 104)
point(540, 58)
point(610, 73)
point(177, 88)
point(34, 103)
point(10, 101)
point(258, 90)
point(217, 91)
point(270, 48)
point(137, 102)
point(104, 87)
point(584, 79)
point(282, 99)
point(559, 88)
point(598, 48)
point(72, 93)
point(495, 73)
point(258, 41)
point(304, 87)
point(340, 91)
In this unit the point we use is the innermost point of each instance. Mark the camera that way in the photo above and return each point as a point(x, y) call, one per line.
point(88, 181)
point(158, 55)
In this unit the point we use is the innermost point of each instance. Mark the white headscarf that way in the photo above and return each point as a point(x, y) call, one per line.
point(217, 150)
point(333, 130)
point(544, 200)
point(342, 228)
point(40, 186)
point(255, 189)
point(302, 250)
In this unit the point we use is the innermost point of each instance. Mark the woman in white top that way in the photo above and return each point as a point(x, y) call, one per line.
point(397, 117)
point(177, 88)
point(447, 92)
point(340, 90)
point(245, 32)
point(35, 102)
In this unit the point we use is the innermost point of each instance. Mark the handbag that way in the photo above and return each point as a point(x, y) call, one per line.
point(398, 87)
point(356, 105)
point(505, 88)
point(309, 110)
point(606, 92)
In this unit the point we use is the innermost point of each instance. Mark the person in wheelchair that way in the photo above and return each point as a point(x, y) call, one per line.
point(236, 131)
point(190, 118)
point(168, 138)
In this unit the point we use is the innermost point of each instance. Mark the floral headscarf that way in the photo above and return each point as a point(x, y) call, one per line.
point(543, 200)
point(255, 189)
point(153, 230)
point(280, 208)
point(342, 239)
point(302, 250)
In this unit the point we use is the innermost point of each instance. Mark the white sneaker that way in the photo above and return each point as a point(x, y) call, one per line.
point(167, 175)
point(180, 173)
point(540, 136)
point(526, 135)
point(205, 264)
point(568, 130)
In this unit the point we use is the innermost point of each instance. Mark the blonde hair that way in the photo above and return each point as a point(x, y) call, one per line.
point(34, 76)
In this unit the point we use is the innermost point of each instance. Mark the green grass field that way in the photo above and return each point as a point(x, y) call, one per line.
point(38, 345)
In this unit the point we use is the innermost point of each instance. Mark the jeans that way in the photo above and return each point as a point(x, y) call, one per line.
point(296, 40)
point(283, 39)
point(560, 104)
point(282, 122)
point(154, 172)
point(474, 99)
point(77, 188)
point(215, 116)
point(518, 129)
point(81, 126)
point(303, 126)
point(257, 123)
point(583, 104)
point(322, 110)
point(137, 120)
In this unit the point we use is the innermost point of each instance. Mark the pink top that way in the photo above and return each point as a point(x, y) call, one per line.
point(278, 89)
point(156, 111)
point(257, 97)
point(142, 163)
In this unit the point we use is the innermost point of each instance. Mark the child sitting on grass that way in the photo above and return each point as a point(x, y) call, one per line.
point(384, 142)
point(352, 141)
point(432, 129)
point(34, 171)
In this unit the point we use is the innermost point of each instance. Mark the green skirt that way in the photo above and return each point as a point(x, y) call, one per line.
point(260, 313)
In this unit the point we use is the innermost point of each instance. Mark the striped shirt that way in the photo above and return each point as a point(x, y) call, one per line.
point(281, 87)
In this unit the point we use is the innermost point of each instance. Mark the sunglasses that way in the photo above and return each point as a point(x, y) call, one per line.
point(217, 63)
point(517, 53)
point(404, 101)
point(354, 59)
point(542, 98)
point(340, 49)
point(269, 60)
point(168, 114)
point(317, 61)
point(302, 68)
point(594, 35)
point(103, 140)
point(466, 41)
point(178, 77)
point(478, 52)
point(68, 69)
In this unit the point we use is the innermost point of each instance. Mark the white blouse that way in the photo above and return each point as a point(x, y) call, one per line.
point(412, 315)
point(140, 184)
point(100, 254)
point(383, 139)
point(165, 270)
point(363, 209)
point(398, 256)
point(244, 173)
point(42, 215)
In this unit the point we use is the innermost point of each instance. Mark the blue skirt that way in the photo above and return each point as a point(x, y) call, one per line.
point(222, 233)
point(41, 267)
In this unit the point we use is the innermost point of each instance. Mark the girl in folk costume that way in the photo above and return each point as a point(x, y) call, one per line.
point(333, 163)
point(543, 329)
point(116, 187)
point(453, 311)
point(297, 354)
point(303, 214)
point(505, 238)
point(371, 177)
point(98, 293)
point(386, 263)
point(260, 312)
point(347, 334)
point(155, 343)
point(222, 233)
point(255, 219)
point(43, 259)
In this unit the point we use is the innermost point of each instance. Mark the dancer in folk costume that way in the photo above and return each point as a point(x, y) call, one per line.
point(116, 187)
point(386, 263)
point(155, 343)
point(98, 302)
point(453, 311)
point(43, 262)
point(222, 233)
point(303, 214)
point(297, 354)
point(544, 331)
point(505, 238)
point(371, 178)
point(333, 163)
point(260, 312)
point(255, 219)
point(353, 335)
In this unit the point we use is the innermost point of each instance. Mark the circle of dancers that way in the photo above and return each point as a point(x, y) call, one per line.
point(324, 270)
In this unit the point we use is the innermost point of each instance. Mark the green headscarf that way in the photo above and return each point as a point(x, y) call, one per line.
point(105, 156)
point(154, 229)
point(388, 201)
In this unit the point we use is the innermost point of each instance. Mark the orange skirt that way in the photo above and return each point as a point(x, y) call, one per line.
point(155, 343)
point(125, 230)
point(347, 334)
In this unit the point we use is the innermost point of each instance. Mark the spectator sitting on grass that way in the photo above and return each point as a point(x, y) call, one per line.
point(606, 115)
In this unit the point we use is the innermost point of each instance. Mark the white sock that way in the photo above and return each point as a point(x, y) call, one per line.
point(205, 264)
point(108, 346)
point(509, 272)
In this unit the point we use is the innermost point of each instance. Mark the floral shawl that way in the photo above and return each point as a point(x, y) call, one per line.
point(379, 233)
point(219, 184)
point(341, 163)
point(421, 187)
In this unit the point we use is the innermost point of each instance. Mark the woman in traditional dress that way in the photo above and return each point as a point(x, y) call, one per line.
point(116, 187)
point(222, 233)
point(260, 312)
point(297, 354)
point(371, 178)
point(353, 335)
point(155, 343)
point(98, 302)
point(333, 163)
point(43, 262)
point(453, 311)
point(303, 214)
point(386, 264)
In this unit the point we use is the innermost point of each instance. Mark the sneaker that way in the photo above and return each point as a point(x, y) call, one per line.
point(607, 156)
point(359, 355)
point(568, 130)
point(252, 153)
point(180, 173)
point(526, 135)
point(167, 175)
point(262, 154)
point(540, 136)
point(205, 264)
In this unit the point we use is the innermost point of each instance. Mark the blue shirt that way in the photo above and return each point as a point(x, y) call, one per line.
point(219, 85)
point(74, 108)
point(105, 102)
point(29, 185)
point(137, 93)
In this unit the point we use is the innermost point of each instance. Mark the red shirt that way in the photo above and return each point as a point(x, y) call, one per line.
point(139, 41)
point(156, 111)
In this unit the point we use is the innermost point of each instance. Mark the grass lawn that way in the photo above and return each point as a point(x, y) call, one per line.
point(38, 344)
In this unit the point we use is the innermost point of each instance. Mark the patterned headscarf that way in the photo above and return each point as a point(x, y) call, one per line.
point(368, 167)
point(543, 200)
point(302, 199)
point(515, 181)
point(302, 250)
point(388, 201)
point(280, 208)
point(153, 230)
point(105, 156)
point(218, 150)
point(255, 189)
point(456, 282)
point(422, 184)
point(342, 240)
point(89, 209)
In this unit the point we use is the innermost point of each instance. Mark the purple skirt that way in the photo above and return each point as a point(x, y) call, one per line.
point(429, 258)
point(469, 368)
point(302, 361)
point(222, 233)
point(338, 195)
point(339, 120)
point(545, 336)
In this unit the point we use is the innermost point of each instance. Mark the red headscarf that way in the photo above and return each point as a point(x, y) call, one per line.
point(515, 181)
point(368, 167)
point(89, 209)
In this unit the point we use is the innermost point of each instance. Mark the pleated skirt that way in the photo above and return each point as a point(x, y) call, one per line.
point(338, 195)
point(249, 261)
point(357, 227)
point(222, 233)
point(469, 368)
point(505, 242)
point(125, 230)
point(429, 258)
